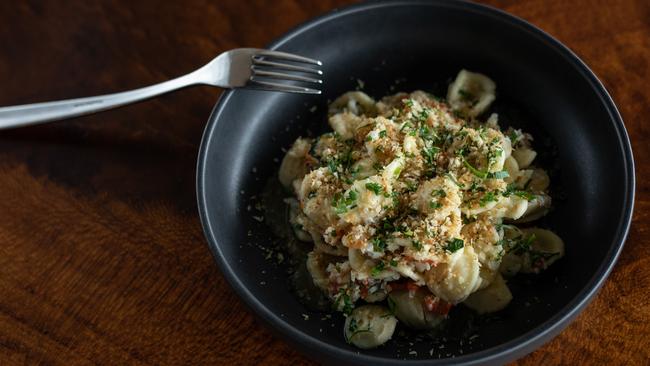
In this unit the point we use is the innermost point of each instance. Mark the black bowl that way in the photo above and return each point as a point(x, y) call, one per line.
point(402, 46)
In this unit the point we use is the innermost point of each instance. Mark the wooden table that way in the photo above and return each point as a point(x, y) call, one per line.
point(102, 257)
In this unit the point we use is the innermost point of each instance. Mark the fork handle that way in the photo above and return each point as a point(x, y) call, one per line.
point(28, 114)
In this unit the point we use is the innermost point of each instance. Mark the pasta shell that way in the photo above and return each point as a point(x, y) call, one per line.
point(539, 181)
point(369, 326)
point(510, 264)
point(293, 164)
point(471, 93)
point(510, 165)
point(364, 168)
point(524, 156)
point(345, 124)
point(355, 102)
point(295, 221)
point(409, 308)
point(359, 262)
point(493, 298)
point(537, 208)
point(438, 197)
point(547, 246)
point(455, 280)
point(316, 265)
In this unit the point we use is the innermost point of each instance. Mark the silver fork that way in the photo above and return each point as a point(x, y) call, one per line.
point(248, 68)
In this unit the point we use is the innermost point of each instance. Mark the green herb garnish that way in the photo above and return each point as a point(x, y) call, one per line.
point(454, 245)
point(511, 189)
point(429, 154)
point(374, 187)
point(378, 244)
point(417, 245)
point(487, 198)
point(479, 173)
point(376, 270)
point(499, 175)
point(341, 203)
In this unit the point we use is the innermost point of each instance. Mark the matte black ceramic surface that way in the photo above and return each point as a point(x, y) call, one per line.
point(402, 46)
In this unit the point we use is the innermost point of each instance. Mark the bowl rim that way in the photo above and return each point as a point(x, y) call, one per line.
point(504, 352)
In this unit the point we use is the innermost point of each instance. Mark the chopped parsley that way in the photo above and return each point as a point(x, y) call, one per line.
point(378, 244)
point(484, 174)
point(342, 203)
point(333, 165)
point(395, 197)
point(522, 245)
point(435, 205)
point(386, 226)
point(411, 186)
point(423, 115)
point(493, 155)
point(511, 189)
point(514, 136)
point(426, 134)
point(382, 133)
point(429, 154)
point(341, 163)
point(374, 187)
point(487, 198)
point(343, 297)
point(454, 245)
point(417, 245)
point(376, 270)
point(463, 151)
point(405, 125)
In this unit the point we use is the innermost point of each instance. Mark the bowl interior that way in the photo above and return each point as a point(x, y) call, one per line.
point(392, 48)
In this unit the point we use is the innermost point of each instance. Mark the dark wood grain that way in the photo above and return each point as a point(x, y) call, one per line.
point(102, 258)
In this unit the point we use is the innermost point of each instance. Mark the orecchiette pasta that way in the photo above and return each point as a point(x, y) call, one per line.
point(490, 299)
point(410, 308)
point(471, 92)
point(369, 326)
point(407, 203)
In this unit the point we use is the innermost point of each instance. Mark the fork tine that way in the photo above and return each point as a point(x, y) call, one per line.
point(288, 57)
point(287, 67)
point(285, 76)
point(265, 85)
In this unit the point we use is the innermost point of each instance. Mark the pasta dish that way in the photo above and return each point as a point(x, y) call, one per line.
point(416, 204)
